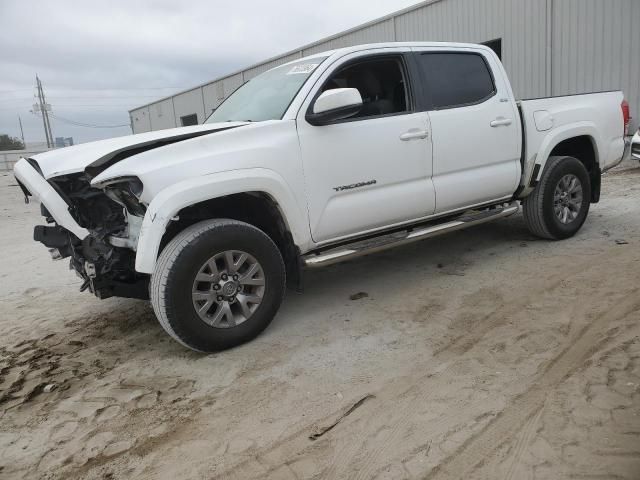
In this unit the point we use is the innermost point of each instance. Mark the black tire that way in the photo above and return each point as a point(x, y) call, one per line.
point(538, 206)
point(179, 263)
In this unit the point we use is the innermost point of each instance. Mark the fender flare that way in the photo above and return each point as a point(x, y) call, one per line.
point(166, 205)
point(560, 134)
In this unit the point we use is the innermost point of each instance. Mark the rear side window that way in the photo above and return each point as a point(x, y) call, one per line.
point(456, 79)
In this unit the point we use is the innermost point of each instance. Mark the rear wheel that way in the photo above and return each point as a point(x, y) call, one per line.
point(217, 284)
point(559, 205)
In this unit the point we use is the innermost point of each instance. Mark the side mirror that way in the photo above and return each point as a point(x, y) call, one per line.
point(335, 104)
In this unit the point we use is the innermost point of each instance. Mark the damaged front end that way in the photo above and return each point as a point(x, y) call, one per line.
point(97, 226)
point(112, 214)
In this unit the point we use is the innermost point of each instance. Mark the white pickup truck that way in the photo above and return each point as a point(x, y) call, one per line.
point(323, 159)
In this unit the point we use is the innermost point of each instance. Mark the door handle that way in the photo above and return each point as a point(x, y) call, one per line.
point(501, 121)
point(414, 134)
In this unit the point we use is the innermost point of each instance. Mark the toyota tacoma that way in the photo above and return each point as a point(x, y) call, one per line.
point(320, 160)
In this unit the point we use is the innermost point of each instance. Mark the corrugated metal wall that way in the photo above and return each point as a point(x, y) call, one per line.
point(163, 114)
point(214, 93)
point(520, 23)
point(257, 70)
point(187, 103)
point(140, 119)
point(596, 46)
point(549, 47)
point(378, 32)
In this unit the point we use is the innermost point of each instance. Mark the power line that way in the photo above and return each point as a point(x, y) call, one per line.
point(6, 106)
point(88, 125)
point(21, 107)
point(99, 89)
point(16, 90)
point(72, 105)
point(20, 99)
point(104, 97)
point(89, 97)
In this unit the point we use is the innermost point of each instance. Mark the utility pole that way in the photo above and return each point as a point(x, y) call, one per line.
point(40, 108)
point(43, 107)
point(21, 131)
point(45, 112)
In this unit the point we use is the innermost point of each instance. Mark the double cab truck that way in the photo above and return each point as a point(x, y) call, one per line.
point(323, 159)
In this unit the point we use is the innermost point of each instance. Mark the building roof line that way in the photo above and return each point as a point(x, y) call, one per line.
point(370, 23)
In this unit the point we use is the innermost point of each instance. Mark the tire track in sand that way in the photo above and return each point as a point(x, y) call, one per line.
point(363, 454)
point(400, 402)
point(477, 449)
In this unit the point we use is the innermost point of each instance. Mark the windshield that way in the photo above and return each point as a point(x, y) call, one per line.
point(267, 96)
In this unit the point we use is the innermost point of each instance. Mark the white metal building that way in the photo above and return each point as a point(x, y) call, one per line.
point(549, 47)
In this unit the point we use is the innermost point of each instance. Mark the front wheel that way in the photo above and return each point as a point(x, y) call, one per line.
point(559, 204)
point(217, 284)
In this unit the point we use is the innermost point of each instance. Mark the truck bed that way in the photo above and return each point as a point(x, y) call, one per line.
point(550, 120)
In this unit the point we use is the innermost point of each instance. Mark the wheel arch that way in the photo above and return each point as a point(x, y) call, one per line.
point(258, 197)
point(257, 208)
point(578, 141)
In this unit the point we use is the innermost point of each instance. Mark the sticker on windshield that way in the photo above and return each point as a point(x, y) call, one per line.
point(303, 68)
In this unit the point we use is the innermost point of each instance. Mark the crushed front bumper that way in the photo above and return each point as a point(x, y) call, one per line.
point(34, 183)
point(105, 269)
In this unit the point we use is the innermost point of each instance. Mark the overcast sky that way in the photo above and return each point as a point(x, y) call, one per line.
point(98, 59)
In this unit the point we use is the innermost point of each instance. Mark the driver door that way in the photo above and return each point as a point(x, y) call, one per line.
point(372, 170)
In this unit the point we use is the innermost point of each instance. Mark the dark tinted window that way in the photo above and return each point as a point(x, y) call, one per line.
point(456, 79)
point(380, 83)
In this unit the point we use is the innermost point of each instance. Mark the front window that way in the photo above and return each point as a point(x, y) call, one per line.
point(381, 83)
point(267, 96)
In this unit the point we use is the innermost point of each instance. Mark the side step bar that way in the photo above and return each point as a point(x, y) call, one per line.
point(385, 242)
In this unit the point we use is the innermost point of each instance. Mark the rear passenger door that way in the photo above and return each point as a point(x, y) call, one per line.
point(474, 123)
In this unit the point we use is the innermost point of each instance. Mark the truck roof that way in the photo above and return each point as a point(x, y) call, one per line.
point(340, 51)
point(369, 46)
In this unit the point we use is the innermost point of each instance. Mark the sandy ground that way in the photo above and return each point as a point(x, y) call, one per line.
point(485, 354)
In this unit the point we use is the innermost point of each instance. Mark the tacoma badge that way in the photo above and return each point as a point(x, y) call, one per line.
point(355, 185)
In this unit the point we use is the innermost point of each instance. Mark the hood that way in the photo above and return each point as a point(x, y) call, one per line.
point(94, 157)
point(271, 144)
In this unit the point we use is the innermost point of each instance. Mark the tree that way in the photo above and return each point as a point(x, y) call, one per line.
point(10, 143)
